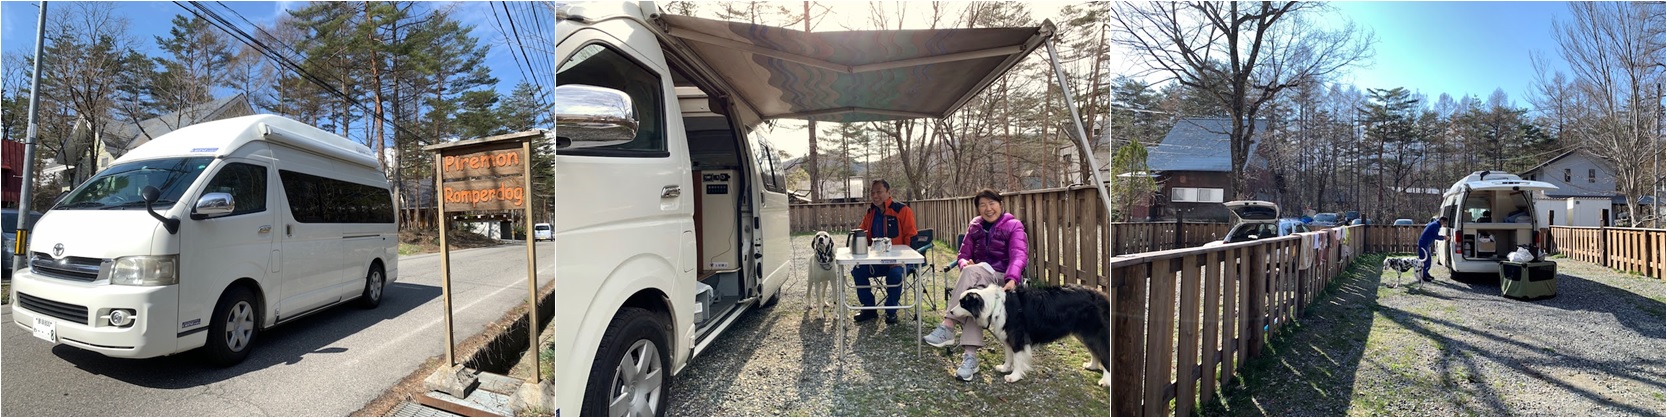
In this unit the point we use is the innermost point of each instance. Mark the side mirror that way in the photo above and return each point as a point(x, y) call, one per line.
point(214, 204)
point(150, 194)
point(590, 116)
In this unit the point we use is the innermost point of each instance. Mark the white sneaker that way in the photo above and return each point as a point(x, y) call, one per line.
point(940, 337)
point(969, 366)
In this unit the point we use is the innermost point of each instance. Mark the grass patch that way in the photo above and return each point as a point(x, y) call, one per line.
point(410, 249)
point(5, 293)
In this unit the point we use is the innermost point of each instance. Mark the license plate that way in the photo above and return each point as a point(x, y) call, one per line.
point(47, 330)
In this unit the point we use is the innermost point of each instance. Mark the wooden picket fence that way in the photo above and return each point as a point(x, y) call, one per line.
point(1064, 226)
point(1185, 319)
point(1632, 250)
point(1392, 238)
point(1139, 237)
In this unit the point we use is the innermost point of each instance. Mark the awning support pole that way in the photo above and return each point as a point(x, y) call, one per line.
point(1082, 134)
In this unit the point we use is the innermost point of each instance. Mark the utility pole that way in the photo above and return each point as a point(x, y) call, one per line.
point(26, 195)
point(29, 149)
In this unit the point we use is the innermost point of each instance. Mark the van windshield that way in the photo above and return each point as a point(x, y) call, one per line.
point(118, 187)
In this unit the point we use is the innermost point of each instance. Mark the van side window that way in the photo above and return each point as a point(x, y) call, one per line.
point(314, 199)
point(601, 66)
point(767, 162)
point(245, 182)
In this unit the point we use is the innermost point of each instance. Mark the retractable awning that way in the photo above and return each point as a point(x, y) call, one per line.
point(854, 76)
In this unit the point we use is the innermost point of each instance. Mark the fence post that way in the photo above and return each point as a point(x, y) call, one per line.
point(1257, 296)
point(1180, 229)
point(1603, 246)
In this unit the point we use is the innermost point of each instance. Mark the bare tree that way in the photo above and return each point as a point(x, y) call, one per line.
point(1242, 54)
point(1615, 51)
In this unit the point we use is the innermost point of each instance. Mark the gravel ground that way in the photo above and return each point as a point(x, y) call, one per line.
point(1458, 348)
point(781, 361)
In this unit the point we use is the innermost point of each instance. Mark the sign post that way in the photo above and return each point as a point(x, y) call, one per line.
point(487, 174)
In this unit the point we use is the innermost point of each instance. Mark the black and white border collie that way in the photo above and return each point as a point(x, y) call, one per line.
point(1027, 317)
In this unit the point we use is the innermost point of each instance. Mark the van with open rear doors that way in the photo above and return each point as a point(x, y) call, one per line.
point(1491, 212)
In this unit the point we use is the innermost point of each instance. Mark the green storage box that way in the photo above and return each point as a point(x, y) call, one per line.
point(1534, 279)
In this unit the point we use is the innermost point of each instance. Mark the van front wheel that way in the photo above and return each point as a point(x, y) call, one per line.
point(630, 376)
point(375, 282)
point(232, 331)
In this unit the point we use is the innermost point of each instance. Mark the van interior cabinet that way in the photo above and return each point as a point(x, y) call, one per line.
point(1495, 240)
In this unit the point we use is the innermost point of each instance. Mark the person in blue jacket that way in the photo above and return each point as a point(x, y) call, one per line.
point(1432, 232)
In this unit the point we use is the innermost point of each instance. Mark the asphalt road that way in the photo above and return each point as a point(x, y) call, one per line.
point(329, 364)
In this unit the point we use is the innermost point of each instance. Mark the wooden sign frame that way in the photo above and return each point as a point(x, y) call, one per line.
point(492, 170)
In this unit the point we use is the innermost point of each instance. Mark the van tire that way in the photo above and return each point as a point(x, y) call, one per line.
point(233, 328)
point(633, 332)
point(376, 285)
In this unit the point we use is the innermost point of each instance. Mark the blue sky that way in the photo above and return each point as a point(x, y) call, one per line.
point(1457, 48)
point(153, 18)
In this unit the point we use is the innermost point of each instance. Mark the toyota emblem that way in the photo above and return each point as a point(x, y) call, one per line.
point(58, 250)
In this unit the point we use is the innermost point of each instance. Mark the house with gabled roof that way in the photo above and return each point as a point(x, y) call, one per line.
point(1194, 167)
point(1586, 193)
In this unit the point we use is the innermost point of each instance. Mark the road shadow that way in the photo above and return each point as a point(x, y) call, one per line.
point(285, 344)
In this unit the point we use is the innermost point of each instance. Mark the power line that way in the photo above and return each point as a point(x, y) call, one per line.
point(232, 30)
point(500, 26)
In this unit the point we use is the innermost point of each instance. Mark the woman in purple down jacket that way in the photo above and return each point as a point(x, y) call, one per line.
point(995, 238)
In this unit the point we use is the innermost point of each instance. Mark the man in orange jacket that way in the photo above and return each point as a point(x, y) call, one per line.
point(885, 219)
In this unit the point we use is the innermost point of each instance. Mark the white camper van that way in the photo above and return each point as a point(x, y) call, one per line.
point(1491, 213)
point(672, 216)
point(207, 235)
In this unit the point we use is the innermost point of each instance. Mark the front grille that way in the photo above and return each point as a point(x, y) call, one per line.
point(60, 310)
point(68, 268)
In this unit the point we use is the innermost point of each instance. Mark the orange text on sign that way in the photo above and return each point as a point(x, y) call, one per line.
point(513, 194)
point(479, 161)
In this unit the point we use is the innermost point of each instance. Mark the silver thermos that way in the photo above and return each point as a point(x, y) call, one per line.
point(857, 241)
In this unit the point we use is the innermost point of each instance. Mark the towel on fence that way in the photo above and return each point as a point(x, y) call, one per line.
point(1307, 252)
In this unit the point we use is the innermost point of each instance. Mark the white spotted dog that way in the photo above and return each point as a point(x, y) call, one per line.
point(1027, 317)
point(822, 273)
point(1401, 265)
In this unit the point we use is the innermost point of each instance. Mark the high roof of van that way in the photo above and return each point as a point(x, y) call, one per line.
point(1496, 180)
point(222, 137)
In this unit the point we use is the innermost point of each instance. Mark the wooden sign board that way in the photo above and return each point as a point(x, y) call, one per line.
point(500, 162)
point(503, 193)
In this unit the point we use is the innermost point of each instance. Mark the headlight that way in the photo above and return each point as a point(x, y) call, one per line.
point(158, 270)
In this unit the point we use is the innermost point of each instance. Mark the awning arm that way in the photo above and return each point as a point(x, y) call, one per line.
point(1082, 134)
point(1044, 35)
point(844, 110)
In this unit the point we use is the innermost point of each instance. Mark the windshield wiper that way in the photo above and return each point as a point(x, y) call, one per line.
point(86, 204)
point(139, 204)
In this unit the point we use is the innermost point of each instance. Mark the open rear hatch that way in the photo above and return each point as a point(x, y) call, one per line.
point(1253, 210)
point(1509, 185)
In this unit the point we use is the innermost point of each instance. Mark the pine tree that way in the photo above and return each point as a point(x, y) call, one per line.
point(194, 62)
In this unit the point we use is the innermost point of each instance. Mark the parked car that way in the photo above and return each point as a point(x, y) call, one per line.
point(1324, 220)
point(1404, 221)
point(1350, 216)
point(8, 223)
point(1257, 220)
point(541, 232)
